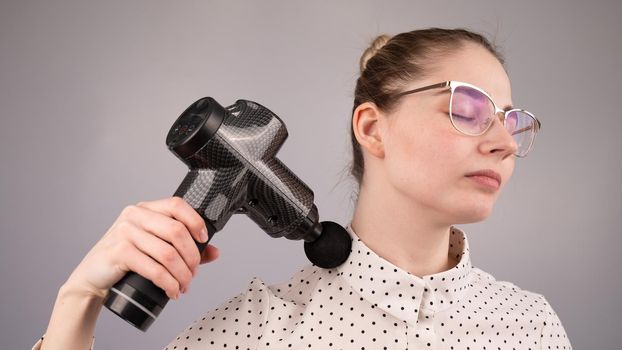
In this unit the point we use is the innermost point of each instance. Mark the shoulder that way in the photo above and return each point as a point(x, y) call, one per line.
point(241, 321)
point(237, 322)
point(484, 283)
point(300, 286)
point(528, 307)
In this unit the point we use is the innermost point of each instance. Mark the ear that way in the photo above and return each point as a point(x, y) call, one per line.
point(367, 124)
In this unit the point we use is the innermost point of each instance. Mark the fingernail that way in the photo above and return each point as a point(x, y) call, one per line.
point(203, 235)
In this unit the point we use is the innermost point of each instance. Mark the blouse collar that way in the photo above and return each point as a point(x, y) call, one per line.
point(399, 293)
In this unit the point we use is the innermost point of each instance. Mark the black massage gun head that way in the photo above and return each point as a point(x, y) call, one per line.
point(331, 248)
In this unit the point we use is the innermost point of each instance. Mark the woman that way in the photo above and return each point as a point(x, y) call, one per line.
point(434, 138)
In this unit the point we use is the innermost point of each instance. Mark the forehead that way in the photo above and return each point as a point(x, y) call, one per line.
point(473, 64)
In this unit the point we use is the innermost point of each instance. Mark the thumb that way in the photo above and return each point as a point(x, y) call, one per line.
point(210, 253)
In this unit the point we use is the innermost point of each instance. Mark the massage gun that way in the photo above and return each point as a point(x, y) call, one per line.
point(231, 155)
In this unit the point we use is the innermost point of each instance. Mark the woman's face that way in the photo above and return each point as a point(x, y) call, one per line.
point(430, 162)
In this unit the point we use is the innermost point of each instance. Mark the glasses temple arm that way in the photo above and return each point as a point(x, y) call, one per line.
point(521, 130)
point(429, 87)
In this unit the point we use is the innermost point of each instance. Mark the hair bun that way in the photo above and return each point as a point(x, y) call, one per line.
point(373, 48)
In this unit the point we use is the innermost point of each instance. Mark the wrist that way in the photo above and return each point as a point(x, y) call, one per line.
point(74, 291)
point(72, 324)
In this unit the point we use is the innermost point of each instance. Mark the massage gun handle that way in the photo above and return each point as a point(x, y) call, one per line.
point(137, 300)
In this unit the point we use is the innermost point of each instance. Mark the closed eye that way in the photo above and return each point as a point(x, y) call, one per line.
point(459, 117)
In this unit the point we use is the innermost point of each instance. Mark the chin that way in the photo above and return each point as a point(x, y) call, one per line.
point(474, 213)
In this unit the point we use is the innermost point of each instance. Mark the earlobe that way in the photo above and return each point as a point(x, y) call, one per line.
point(367, 122)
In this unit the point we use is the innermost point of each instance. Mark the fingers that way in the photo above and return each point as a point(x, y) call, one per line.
point(142, 264)
point(166, 229)
point(180, 210)
point(164, 253)
point(160, 235)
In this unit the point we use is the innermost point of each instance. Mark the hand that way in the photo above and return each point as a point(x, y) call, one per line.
point(153, 239)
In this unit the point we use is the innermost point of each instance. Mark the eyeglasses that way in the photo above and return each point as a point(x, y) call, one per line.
point(472, 111)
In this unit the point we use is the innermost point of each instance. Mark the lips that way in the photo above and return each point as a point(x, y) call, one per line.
point(486, 177)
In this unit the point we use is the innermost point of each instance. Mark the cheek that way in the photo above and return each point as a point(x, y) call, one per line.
point(427, 164)
point(424, 159)
point(509, 169)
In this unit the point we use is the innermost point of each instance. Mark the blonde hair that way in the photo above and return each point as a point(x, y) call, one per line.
point(375, 45)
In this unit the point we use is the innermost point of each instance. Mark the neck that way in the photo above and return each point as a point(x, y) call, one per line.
point(402, 232)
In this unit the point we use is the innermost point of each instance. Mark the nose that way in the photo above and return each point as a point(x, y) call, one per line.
point(498, 140)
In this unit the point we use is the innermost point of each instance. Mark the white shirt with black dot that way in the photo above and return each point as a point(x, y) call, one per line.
point(368, 303)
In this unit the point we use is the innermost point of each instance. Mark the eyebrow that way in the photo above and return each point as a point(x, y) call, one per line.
point(507, 108)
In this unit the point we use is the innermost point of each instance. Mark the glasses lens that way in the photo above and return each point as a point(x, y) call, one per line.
point(471, 110)
point(522, 127)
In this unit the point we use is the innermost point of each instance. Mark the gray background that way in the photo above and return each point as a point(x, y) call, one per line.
point(89, 89)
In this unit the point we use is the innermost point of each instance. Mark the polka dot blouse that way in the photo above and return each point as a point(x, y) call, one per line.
point(368, 303)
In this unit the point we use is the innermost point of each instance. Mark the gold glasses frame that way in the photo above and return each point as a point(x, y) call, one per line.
point(501, 113)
